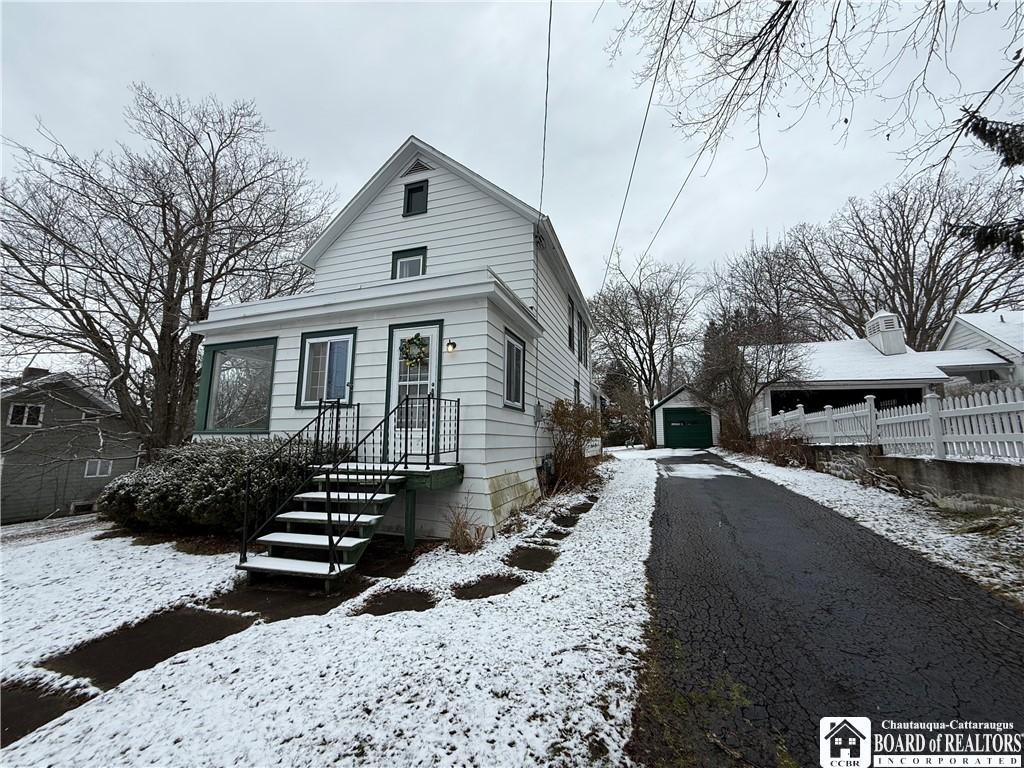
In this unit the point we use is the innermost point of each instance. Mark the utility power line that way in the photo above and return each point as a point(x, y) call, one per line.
point(632, 170)
point(547, 87)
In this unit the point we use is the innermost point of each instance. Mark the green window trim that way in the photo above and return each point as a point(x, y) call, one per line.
point(414, 187)
point(409, 253)
point(299, 405)
point(205, 380)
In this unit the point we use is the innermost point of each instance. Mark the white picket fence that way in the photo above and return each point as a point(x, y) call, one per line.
point(989, 424)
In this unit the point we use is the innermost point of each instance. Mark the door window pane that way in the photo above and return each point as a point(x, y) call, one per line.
point(240, 386)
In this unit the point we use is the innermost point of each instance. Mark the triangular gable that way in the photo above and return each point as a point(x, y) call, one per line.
point(843, 725)
point(412, 149)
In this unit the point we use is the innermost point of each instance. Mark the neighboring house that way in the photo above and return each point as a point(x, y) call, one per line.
point(61, 444)
point(429, 262)
point(840, 373)
point(681, 420)
point(1000, 332)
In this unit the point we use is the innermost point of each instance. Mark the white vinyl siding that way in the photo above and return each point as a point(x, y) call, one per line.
point(463, 229)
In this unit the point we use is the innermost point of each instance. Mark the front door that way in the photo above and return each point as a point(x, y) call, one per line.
point(414, 426)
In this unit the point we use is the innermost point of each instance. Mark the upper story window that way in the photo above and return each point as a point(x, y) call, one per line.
point(327, 366)
point(515, 371)
point(410, 263)
point(585, 342)
point(25, 415)
point(572, 314)
point(580, 355)
point(415, 198)
point(98, 467)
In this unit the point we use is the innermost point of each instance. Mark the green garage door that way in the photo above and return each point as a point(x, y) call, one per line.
point(687, 428)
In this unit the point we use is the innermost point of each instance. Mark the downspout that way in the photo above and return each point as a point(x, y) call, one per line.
point(536, 345)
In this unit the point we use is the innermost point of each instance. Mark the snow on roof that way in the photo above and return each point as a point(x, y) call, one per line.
point(18, 385)
point(1005, 325)
point(858, 360)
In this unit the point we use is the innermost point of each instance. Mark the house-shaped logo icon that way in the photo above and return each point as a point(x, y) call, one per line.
point(845, 742)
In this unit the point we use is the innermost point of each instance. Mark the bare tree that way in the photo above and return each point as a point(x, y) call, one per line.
point(727, 62)
point(110, 257)
point(745, 351)
point(902, 250)
point(644, 321)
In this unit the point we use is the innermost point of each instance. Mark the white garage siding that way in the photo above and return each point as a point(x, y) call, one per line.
point(683, 400)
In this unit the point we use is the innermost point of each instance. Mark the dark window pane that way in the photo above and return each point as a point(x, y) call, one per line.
point(33, 416)
point(415, 198)
point(240, 388)
point(17, 415)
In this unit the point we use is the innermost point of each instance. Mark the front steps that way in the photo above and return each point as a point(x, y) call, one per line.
point(298, 541)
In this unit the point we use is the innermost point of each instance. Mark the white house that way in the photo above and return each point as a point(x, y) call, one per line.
point(840, 373)
point(682, 420)
point(1000, 332)
point(431, 284)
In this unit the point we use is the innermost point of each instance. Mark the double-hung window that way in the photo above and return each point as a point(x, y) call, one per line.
point(98, 467)
point(415, 198)
point(515, 371)
point(408, 263)
point(327, 367)
point(580, 335)
point(572, 314)
point(25, 415)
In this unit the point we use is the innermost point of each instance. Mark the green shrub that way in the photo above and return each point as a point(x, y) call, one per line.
point(200, 487)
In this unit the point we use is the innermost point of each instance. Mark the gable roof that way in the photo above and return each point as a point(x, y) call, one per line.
point(843, 725)
point(395, 165)
point(16, 386)
point(677, 391)
point(1004, 326)
point(857, 360)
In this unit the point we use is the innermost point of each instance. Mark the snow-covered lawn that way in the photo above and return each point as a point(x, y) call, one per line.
point(544, 675)
point(995, 560)
point(60, 586)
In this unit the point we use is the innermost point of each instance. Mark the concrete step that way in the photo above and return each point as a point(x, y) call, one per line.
point(310, 541)
point(301, 516)
point(360, 479)
point(287, 566)
point(346, 497)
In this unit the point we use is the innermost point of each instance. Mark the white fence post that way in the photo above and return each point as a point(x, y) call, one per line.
point(931, 400)
point(801, 419)
point(831, 425)
point(872, 426)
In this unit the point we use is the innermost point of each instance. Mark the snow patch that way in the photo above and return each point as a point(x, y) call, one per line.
point(60, 590)
point(542, 675)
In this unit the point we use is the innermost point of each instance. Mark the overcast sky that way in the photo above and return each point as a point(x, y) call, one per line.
point(343, 85)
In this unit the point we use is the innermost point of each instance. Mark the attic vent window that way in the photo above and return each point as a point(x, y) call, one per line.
point(415, 198)
point(417, 167)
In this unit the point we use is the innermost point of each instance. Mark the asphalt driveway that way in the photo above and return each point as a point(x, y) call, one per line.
point(772, 612)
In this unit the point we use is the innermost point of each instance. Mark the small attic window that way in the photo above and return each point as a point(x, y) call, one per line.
point(415, 198)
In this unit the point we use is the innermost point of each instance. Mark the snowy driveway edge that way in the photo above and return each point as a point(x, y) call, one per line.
point(545, 675)
point(992, 561)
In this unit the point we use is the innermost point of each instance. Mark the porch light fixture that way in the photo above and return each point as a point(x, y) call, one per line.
point(451, 345)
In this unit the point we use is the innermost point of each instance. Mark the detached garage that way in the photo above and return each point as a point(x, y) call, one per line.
point(683, 421)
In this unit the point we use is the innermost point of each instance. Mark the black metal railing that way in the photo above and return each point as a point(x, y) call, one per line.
point(271, 483)
point(416, 431)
